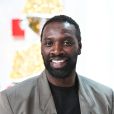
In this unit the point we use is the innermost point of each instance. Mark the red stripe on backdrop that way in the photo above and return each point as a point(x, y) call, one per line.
point(17, 31)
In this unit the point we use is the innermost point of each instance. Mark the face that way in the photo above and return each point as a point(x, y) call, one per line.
point(59, 48)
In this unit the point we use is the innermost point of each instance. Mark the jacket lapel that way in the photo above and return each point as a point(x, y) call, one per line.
point(85, 99)
point(46, 100)
point(47, 103)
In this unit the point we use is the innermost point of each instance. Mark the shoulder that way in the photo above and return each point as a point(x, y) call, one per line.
point(97, 94)
point(23, 88)
point(23, 94)
point(96, 87)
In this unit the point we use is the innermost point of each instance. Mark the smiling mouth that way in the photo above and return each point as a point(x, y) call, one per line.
point(58, 63)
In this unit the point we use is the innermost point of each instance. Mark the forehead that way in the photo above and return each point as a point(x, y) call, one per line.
point(59, 27)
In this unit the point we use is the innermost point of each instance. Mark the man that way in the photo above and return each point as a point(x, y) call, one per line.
point(59, 89)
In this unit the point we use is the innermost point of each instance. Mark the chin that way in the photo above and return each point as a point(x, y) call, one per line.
point(61, 73)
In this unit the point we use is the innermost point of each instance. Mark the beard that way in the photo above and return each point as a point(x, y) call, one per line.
point(64, 71)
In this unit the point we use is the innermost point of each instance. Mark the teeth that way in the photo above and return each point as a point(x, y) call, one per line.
point(57, 61)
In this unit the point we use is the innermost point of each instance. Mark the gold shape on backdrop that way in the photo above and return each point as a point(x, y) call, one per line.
point(43, 6)
point(27, 62)
point(34, 23)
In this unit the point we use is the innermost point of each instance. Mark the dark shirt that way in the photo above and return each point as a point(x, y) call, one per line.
point(66, 99)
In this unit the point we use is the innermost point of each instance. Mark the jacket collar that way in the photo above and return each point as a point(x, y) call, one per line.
point(47, 103)
point(46, 100)
point(85, 97)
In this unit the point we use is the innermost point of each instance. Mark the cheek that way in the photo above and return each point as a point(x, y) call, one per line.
point(76, 49)
point(44, 51)
point(71, 50)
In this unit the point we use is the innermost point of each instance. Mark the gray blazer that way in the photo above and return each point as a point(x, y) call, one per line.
point(33, 96)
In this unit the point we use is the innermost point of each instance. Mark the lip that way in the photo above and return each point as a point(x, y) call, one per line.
point(58, 63)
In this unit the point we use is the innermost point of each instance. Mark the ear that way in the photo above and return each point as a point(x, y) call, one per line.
point(79, 49)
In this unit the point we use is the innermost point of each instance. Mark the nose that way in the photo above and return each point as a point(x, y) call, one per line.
point(57, 49)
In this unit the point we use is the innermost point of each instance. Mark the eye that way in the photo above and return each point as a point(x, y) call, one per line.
point(68, 43)
point(48, 43)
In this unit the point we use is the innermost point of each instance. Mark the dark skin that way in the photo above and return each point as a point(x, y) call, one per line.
point(59, 38)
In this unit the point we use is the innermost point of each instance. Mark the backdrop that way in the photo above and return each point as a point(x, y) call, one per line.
point(20, 45)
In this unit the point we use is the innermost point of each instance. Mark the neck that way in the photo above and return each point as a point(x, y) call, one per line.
point(62, 82)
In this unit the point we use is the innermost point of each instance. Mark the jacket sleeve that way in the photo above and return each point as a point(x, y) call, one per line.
point(113, 103)
point(5, 107)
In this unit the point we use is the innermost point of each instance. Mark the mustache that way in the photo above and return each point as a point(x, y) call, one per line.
point(58, 57)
